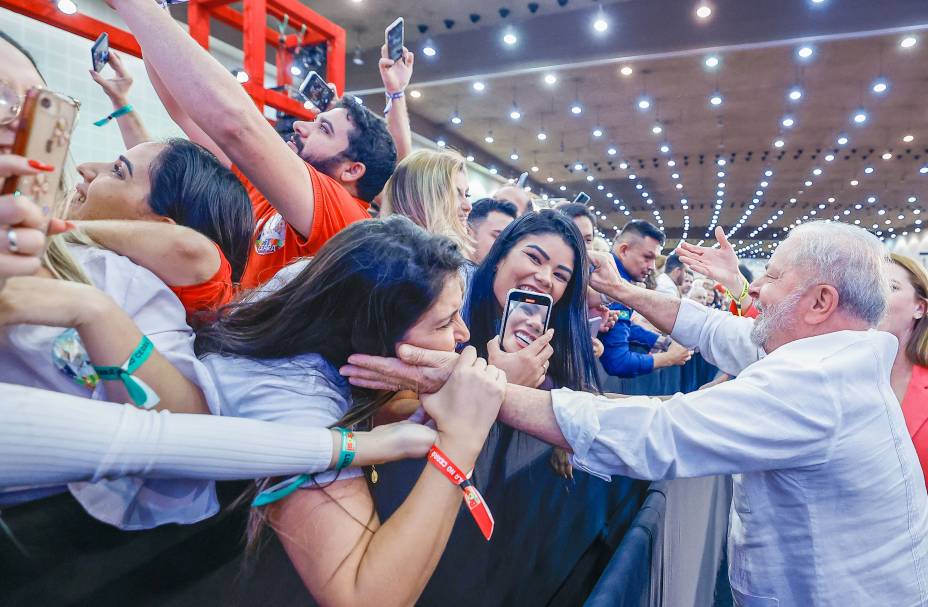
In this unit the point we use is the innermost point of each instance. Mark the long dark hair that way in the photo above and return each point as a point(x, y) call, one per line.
point(364, 289)
point(572, 365)
point(190, 185)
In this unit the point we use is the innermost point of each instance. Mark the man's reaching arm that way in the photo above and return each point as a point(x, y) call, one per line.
point(217, 104)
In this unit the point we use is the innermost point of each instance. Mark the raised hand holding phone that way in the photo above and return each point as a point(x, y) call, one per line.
point(117, 87)
point(317, 91)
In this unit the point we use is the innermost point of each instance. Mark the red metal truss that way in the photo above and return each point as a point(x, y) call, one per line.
point(256, 36)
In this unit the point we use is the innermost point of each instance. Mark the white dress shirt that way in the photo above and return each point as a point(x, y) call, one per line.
point(26, 358)
point(829, 505)
point(667, 286)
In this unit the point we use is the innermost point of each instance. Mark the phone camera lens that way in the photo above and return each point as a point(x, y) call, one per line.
point(46, 102)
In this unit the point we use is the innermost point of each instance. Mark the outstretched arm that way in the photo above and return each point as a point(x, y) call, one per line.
point(719, 264)
point(217, 103)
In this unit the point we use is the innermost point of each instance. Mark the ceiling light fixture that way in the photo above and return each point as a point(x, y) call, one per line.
point(644, 103)
point(908, 138)
point(859, 117)
point(550, 79)
point(795, 93)
point(67, 7)
point(908, 42)
point(703, 11)
point(510, 37)
point(805, 52)
point(626, 70)
point(716, 99)
point(880, 86)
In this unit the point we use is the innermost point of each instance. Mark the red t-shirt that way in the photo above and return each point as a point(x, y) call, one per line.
point(276, 243)
point(209, 295)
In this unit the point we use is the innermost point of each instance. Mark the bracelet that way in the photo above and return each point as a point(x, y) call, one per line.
point(744, 293)
point(115, 114)
point(475, 503)
point(286, 487)
point(347, 452)
point(391, 97)
point(140, 393)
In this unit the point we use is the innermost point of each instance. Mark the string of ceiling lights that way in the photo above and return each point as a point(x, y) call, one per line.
point(804, 54)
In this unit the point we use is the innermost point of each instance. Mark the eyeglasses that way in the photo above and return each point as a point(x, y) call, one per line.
point(11, 103)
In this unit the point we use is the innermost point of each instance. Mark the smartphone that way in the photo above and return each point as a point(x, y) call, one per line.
point(44, 134)
point(317, 91)
point(522, 179)
point(525, 319)
point(595, 323)
point(582, 198)
point(100, 52)
point(396, 38)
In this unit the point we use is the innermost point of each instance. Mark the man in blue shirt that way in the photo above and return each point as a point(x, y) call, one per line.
point(635, 251)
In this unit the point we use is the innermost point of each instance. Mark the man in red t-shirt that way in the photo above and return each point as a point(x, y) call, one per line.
point(302, 191)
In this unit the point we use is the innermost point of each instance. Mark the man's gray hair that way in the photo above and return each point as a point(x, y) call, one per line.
point(847, 257)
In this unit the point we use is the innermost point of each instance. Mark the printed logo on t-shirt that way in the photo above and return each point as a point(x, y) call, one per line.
point(624, 315)
point(272, 235)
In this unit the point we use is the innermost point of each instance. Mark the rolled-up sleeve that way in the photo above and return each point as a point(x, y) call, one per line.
point(720, 430)
point(723, 339)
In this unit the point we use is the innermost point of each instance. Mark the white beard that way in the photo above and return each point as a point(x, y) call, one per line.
point(773, 318)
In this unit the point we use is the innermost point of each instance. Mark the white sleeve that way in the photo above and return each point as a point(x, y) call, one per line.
point(722, 338)
point(49, 438)
point(160, 316)
point(755, 422)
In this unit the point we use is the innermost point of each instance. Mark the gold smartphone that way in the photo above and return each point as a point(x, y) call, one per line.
point(44, 134)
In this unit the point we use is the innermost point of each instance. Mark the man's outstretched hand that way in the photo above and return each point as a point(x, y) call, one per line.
point(424, 371)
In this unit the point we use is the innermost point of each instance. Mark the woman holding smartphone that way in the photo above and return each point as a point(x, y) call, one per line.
point(541, 252)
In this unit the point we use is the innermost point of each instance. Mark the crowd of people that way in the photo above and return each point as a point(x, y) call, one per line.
point(238, 305)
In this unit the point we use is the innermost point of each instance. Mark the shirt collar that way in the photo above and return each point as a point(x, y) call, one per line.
point(622, 269)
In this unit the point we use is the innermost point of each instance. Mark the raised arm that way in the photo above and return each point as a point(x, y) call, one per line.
point(178, 255)
point(109, 335)
point(217, 103)
point(660, 309)
point(117, 89)
point(182, 118)
point(396, 76)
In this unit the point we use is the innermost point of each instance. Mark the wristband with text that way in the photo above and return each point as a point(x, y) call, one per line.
point(391, 97)
point(116, 114)
point(347, 452)
point(737, 300)
point(475, 503)
point(284, 488)
point(140, 393)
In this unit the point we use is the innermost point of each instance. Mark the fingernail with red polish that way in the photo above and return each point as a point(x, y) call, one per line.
point(41, 166)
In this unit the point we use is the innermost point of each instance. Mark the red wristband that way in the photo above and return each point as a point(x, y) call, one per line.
point(475, 503)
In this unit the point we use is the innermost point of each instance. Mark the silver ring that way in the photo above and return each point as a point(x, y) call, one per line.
point(12, 243)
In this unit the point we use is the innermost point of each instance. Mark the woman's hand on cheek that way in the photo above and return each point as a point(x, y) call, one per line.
point(46, 301)
point(527, 367)
point(465, 408)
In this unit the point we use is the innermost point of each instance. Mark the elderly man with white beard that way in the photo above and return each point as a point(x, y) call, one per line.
point(829, 506)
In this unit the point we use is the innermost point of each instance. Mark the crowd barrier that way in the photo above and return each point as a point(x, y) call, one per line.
point(553, 539)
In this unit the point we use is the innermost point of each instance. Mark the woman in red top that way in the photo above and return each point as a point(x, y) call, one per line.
point(905, 318)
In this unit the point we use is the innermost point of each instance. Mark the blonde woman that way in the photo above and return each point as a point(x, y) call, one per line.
point(430, 188)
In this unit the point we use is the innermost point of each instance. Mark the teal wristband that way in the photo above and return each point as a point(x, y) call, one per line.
point(140, 393)
point(346, 454)
point(116, 114)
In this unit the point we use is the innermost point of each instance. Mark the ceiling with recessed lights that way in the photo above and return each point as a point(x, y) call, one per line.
point(750, 139)
point(749, 114)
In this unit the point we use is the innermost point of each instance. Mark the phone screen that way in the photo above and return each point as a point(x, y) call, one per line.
point(100, 52)
point(595, 323)
point(526, 319)
point(582, 198)
point(315, 89)
point(395, 34)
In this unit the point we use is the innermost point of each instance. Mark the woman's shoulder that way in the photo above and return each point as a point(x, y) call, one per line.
point(304, 389)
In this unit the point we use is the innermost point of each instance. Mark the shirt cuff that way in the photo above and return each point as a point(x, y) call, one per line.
point(579, 423)
point(689, 323)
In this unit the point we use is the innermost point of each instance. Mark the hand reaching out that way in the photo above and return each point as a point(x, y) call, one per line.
point(719, 264)
point(527, 367)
